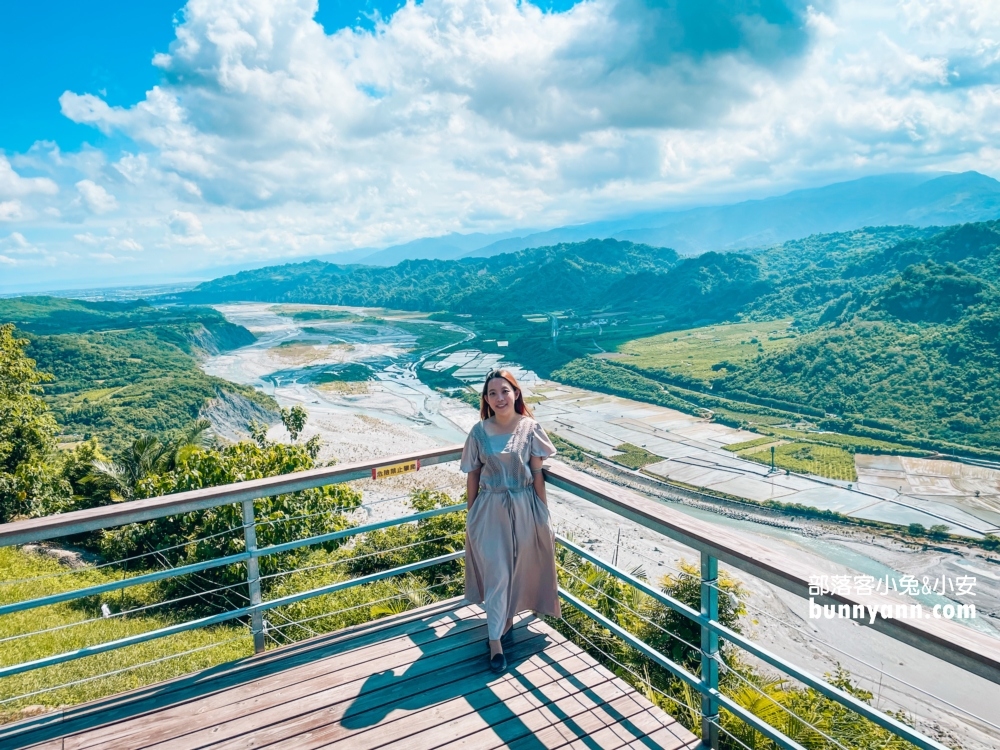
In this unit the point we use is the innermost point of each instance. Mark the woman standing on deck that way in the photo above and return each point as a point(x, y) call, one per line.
point(509, 545)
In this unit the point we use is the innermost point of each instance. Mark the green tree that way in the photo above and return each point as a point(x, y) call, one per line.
point(938, 531)
point(30, 484)
point(217, 532)
point(294, 420)
point(118, 480)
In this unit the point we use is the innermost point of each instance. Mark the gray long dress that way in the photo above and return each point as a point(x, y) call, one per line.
point(509, 545)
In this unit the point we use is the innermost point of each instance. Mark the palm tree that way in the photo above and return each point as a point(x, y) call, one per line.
point(145, 457)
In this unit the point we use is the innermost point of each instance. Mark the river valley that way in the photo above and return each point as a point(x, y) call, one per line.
point(355, 373)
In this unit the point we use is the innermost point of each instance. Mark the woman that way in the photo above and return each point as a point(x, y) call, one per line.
point(509, 545)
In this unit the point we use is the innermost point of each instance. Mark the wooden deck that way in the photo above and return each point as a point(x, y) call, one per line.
point(418, 681)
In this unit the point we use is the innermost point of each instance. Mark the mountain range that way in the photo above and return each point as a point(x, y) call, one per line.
point(915, 199)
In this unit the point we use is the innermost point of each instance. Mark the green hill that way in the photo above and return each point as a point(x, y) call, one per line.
point(123, 369)
point(894, 325)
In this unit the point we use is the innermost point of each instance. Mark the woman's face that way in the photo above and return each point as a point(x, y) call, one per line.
point(500, 395)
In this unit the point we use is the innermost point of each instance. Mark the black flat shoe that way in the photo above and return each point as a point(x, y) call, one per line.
point(498, 663)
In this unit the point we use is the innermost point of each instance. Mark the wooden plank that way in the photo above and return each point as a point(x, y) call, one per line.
point(324, 722)
point(117, 514)
point(962, 646)
point(253, 697)
point(262, 668)
point(553, 694)
point(558, 690)
point(496, 707)
point(674, 737)
point(557, 725)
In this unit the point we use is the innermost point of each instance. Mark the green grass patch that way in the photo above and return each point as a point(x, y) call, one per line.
point(87, 627)
point(809, 458)
point(296, 312)
point(568, 449)
point(746, 445)
point(430, 335)
point(708, 352)
point(634, 457)
point(444, 382)
point(850, 442)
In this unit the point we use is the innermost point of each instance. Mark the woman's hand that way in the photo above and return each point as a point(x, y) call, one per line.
point(472, 486)
point(538, 479)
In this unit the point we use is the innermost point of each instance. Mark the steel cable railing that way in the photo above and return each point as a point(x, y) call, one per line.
point(283, 625)
point(601, 592)
point(360, 506)
point(101, 566)
point(400, 595)
point(129, 668)
point(122, 613)
point(861, 661)
point(779, 705)
point(378, 553)
point(710, 691)
point(699, 651)
point(731, 736)
point(622, 545)
point(630, 671)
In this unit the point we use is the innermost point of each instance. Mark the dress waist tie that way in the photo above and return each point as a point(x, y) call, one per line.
point(508, 501)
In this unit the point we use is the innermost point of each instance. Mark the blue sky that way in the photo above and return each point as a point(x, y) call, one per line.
point(151, 140)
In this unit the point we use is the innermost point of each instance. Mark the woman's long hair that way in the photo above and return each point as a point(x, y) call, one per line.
point(486, 411)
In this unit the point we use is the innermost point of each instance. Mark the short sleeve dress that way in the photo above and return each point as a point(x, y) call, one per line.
point(509, 544)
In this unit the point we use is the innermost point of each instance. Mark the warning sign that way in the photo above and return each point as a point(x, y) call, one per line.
point(395, 469)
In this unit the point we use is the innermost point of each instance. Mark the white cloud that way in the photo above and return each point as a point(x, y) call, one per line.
point(128, 243)
point(185, 223)
point(16, 244)
point(267, 137)
point(96, 198)
point(11, 210)
point(13, 185)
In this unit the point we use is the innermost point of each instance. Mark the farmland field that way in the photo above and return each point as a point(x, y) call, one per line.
point(694, 351)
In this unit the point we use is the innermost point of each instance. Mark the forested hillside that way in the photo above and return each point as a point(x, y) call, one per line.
point(575, 275)
point(892, 325)
point(123, 369)
point(595, 275)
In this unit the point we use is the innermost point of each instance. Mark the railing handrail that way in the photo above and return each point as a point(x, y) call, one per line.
point(960, 645)
point(957, 644)
point(134, 511)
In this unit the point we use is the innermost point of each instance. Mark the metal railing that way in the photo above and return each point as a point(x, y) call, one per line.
point(972, 651)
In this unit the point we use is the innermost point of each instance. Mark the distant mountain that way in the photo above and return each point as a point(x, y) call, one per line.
point(920, 200)
point(546, 278)
point(447, 247)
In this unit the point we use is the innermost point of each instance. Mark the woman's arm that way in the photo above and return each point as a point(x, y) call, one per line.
point(537, 478)
point(472, 485)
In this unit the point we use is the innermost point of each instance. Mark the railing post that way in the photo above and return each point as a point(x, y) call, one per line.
point(709, 651)
point(253, 577)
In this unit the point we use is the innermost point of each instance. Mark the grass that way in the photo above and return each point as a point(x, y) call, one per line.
point(430, 335)
point(302, 312)
point(746, 445)
point(809, 458)
point(569, 450)
point(849, 442)
point(634, 457)
point(695, 352)
point(215, 645)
